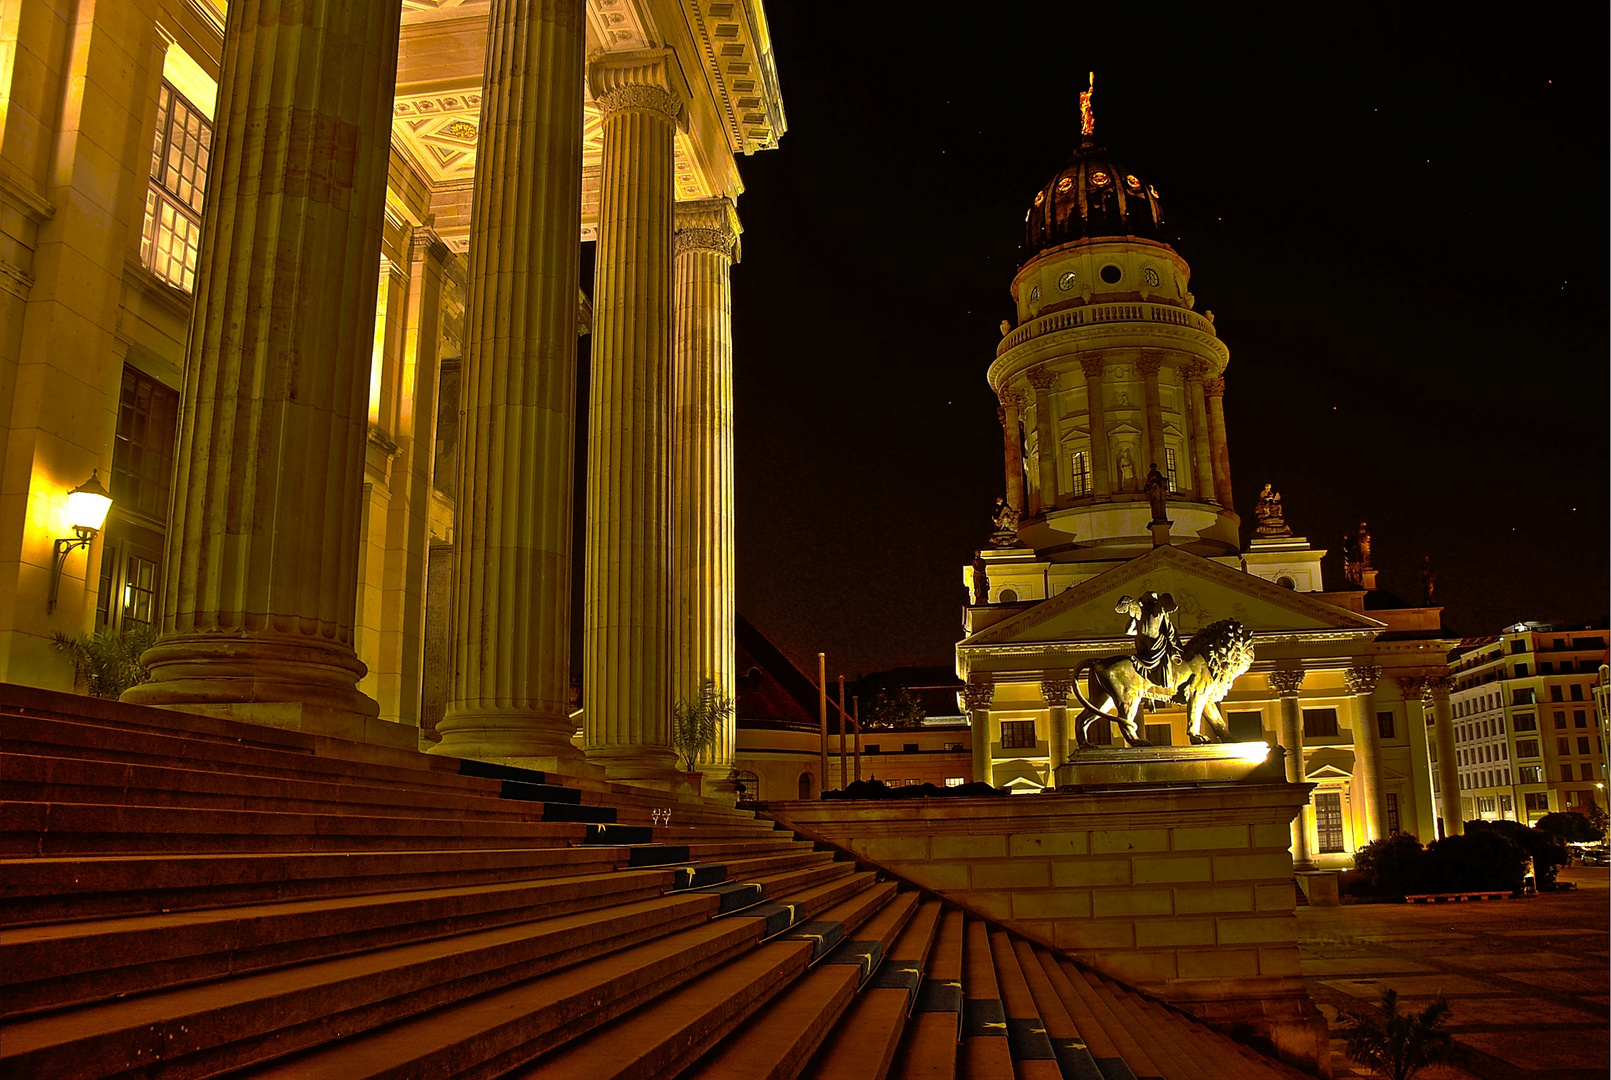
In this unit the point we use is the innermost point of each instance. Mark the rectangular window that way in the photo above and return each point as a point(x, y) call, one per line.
point(1160, 734)
point(1018, 734)
point(872, 748)
point(1521, 671)
point(1329, 821)
point(1081, 474)
point(1319, 723)
point(1526, 747)
point(1504, 803)
point(1169, 467)
point(1579, 719)
point(1560, 719)
point(909, 748)
point(954, 781)
point(1577, 691)
point(1563, 746)
point(142, 450)
point(1546, 668)
point(1384, 725)
point(1554, 694)
point(1530, 774)
point(173, 200)
point(1246, 726)
point(1392, 813)
point(1583, 744)
point(1537, 802)
point(1566, 773)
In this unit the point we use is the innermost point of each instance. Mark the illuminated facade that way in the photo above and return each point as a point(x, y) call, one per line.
point(1529, 721)
point(1109, 371)
point(327, 378)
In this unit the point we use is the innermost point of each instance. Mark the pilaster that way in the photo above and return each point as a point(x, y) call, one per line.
point(1288, 684)
point(977, 696)
point(627, 603)
point(704, 633)
point(1047, 443)
point(262, 558)
point(1093, 367)
point(1219, 449)
point(509, 695)
point(1367, 783)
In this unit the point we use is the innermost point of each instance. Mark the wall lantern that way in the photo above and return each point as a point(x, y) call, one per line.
point(87, 505)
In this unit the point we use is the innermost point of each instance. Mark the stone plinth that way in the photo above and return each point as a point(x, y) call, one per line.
point(1184, 891)
point(1223, 763)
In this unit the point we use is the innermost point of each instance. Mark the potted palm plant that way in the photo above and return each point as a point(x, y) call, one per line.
point(695, 723)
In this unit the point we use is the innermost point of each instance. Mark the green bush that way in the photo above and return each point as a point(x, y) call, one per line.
point(1482, 860)
point(1394, 866)
point(1547, 852)
point(1569, 826)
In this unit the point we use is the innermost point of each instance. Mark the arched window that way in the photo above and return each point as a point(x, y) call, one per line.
point(805, 785)
point(1080, 471)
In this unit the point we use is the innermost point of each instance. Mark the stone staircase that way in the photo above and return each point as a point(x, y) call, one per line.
point(182, 896)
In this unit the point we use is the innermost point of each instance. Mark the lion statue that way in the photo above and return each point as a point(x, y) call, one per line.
point(1212, 660)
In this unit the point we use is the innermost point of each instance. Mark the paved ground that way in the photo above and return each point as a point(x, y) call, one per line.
point(1528, 980)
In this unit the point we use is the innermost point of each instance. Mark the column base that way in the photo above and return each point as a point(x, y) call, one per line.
point(524, 738)
point(277, 680)
point(654, 766)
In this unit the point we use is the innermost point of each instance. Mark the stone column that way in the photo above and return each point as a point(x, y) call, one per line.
point(1149, 366)
point(1422, 743)
point(262, 558)
point(705, 627)
point(1055, 692)
point(626, 637)
point(1202, 462)
point(1047, 444)
point(1013, 445)
point(977, 696)
point(1101, 468)
point(509, 697)
point(1437, 688)
point(1219, 450)
point(1288, 684)
point(1367, 783)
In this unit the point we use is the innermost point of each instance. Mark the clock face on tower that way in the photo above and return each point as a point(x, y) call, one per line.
point(1034, 294)
point(1066, 282)
point(1150, 276)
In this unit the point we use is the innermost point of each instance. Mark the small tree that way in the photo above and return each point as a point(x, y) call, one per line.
point(1399, 1045)
point(1570, 826)
point(1395, 865)
point(695, 721)
point(1481, 860)
point(893, 709)
point(107, 663)
point(1547, 852)
point(1598, 818)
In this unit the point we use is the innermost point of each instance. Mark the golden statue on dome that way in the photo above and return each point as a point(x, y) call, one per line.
point(1087, 116)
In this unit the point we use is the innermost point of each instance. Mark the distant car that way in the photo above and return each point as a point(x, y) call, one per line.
point(1596, 856)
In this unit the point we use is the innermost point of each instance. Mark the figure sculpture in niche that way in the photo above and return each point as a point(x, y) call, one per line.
point(1214, 658)
point(1356, 555)
point(1271, 517)
point(1157, 491)
point(1127, 470)
point(1429, 581)
point(1005, 520)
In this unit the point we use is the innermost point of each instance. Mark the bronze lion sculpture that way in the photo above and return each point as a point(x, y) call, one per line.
point(1211, 661)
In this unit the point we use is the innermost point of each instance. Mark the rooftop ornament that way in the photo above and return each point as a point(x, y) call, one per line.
point(1087, 115)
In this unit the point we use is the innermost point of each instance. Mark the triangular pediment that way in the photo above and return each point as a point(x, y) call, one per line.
point(1205, 591)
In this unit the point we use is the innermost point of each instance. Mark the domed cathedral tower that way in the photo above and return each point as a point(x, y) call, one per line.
point(1108, 373)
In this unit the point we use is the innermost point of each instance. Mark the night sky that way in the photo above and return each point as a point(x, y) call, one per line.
point(1397, 214)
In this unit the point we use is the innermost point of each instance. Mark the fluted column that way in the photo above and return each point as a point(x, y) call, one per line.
point(1149, 366)
point(1012, 442)
point(1055, 693)
point(626, 637)
point(1437, 688)
point(509, 696)
point(262, 558)
point(1219, 450)
point(704, 634)
point(1202, 471)
point(977, 696)
point(1367, 783)
point(1047, 445)
point(1423, 745)
point(1289, 684)
point(1101, 469)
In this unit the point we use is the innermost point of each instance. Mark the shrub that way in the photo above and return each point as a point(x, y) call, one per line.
point(107, 663)
point(695, 722)
point(1547, 852)
point(1569, 826)
point(1480, 861)
point(1394, 866)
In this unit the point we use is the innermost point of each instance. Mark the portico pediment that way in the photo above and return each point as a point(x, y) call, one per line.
point(1205, 591)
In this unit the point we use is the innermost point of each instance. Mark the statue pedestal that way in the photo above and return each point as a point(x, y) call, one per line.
point(1160, 532)
point(1164, 766)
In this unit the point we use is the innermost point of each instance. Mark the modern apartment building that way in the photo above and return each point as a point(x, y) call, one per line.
point(1529, 724)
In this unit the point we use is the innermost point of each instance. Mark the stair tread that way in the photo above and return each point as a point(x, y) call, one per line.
point(781, 1037)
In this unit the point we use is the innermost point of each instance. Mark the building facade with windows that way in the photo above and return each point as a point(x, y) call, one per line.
point(1530, 727)
point(240, 277)
point(1109, 371)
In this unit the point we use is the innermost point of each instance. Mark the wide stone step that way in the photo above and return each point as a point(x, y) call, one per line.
point(495, 1032)
point(45, 829)
point(780, 1038)
point(72, 963)
point(930, 1044)
point(58, 889)
point(214, 1027)
point(665, 1036)
point(985, 1052)
point(862, 1045)
point(1074, 1051)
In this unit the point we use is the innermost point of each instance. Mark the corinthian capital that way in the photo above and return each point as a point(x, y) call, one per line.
point(1056, 692)
point(1437, 687)
point(1410, 686)
point(978, 695)
point(707, 225)
point(1362, 680)
point(1093, 366)
point(1214, 387)
point(643, 79)
point(1197, 372)
point(1041, 379)
point(1287, 682)
point(1149, 365)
